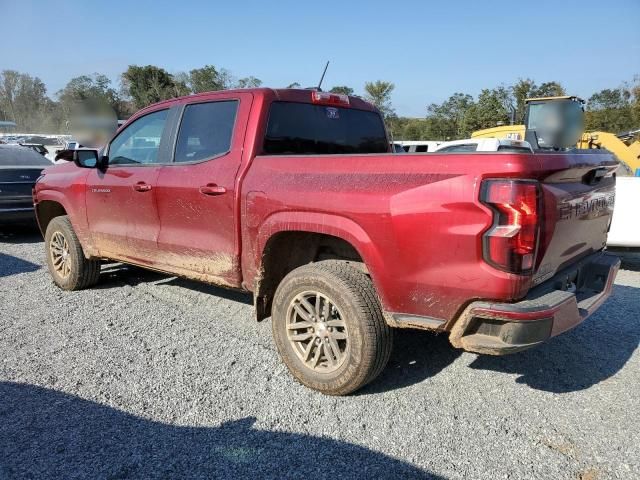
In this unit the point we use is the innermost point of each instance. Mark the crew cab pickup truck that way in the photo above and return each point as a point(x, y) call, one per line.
point(295, 196)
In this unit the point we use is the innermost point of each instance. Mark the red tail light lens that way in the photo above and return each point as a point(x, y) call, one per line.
point(326, 98)
point(511, 244)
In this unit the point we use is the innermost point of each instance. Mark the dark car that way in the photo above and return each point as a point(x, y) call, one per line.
point(20, 167)
point(36, 147)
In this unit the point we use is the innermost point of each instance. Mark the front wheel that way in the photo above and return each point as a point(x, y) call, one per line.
point(68, 266)
point(328, 327)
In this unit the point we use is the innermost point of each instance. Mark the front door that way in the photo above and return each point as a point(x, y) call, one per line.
point(121, 200)
point(196, 193)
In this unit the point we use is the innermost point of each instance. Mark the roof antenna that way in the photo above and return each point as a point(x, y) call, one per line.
point(322, 77)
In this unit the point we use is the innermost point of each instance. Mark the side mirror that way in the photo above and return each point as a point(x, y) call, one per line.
point(87, 158)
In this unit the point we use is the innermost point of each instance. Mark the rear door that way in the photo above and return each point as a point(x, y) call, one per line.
point(196, 194)
point(121, 201)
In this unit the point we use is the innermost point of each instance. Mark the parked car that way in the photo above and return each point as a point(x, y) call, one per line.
point(485, 145)
point(36, 147)
point(294, 195)
point(19, 169)
point(418, 146)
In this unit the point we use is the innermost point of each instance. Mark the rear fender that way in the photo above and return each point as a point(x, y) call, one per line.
point(327, 224)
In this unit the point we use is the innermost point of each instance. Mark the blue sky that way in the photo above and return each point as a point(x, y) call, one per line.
point(428, 49)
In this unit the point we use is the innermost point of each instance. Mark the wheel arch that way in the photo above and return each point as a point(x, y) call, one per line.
point(293, 239)
point(47, 210)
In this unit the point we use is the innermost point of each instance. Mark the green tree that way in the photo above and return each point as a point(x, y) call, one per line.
point(248, 82)
point(149, 84)
point(205, 79)
point(379, 93)
point(521, 90)
point(450, 119)
point(492, 108)
point(634, 88)
point(611, 110)
point(23, 99)
point(343, 89)
point(95, 89)
point(549, 89)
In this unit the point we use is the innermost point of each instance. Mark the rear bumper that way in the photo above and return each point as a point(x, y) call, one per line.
point(550, 309)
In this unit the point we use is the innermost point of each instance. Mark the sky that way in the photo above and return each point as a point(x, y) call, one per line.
point(428, 49)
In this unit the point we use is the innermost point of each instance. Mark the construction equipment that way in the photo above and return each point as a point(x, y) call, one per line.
point(557, 123)
point(627, 153)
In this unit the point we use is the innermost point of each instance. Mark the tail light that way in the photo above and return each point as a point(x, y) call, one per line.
point(511, 244)
point(327, 98)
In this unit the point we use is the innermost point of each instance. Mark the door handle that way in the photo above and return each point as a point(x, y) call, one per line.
point(212, 189)
point(142, 187)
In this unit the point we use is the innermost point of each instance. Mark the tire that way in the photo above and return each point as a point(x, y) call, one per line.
point(342, 315)
point(67, 264)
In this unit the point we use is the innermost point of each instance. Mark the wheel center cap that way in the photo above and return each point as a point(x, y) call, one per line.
point(322, 328)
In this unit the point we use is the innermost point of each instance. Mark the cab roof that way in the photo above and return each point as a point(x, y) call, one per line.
point(273, 94)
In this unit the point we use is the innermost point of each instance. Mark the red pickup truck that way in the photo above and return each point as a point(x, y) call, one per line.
point(295, 195)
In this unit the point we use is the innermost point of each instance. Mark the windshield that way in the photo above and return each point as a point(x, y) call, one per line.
point(308, 129)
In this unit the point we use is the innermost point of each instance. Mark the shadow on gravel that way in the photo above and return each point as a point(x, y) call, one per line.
point(48, 434)
point(10, 265)
point(583, 357)
point(226, 293)
point(115, 275)
point(416, 356)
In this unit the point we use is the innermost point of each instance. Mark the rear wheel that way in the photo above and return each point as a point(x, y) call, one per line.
point(68, 266)
point(328, 327)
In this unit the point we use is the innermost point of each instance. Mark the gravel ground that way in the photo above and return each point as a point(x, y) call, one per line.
point(148, 376)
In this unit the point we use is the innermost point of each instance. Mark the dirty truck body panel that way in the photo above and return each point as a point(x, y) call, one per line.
point(417, 221)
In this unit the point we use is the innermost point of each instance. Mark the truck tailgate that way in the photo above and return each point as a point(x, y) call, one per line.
point(578, 195)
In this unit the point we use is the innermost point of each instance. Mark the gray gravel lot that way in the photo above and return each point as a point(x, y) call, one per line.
point(149, 376)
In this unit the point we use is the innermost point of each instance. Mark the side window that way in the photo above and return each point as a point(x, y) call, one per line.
point(206, 130)
point(422, 148)
point(139, 142)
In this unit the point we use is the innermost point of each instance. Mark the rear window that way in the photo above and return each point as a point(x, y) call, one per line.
point(308, 129)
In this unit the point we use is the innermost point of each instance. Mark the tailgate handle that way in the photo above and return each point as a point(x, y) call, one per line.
point(595, 175)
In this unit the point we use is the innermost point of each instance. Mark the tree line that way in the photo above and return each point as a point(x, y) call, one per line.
point(612, 110)
point(24, 100)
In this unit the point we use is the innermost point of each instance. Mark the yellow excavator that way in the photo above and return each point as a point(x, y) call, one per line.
point(555, 123)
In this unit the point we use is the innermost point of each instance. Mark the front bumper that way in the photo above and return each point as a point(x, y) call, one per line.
point(549, 309)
